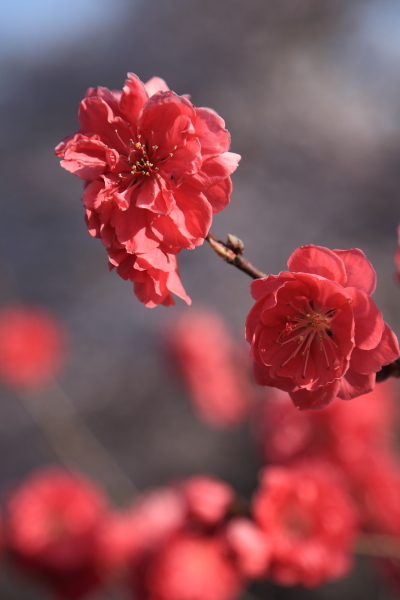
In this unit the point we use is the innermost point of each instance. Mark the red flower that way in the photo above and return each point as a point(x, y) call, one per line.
point(208, 498)
point(156, 168)
point(250, 546)
point(341, 433)
point(213, 366)
point(32, 345)
point(53, 523)
point(189, 567)
point(314, 330)
point(310, 524)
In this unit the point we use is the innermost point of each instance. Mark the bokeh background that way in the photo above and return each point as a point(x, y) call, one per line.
point(310, 91)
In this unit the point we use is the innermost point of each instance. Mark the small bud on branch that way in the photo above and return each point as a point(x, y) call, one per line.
point(231, 252)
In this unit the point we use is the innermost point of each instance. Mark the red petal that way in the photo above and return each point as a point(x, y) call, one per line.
point(133, 97)
point(305, 400)
point(360, 272)
point(131, 229)
point(368, 320)
point(216, 169)
point(210, 128)
point(219, 195)
point(355, 384)
point(318, 260)
point(154, 85)
point(371, 361)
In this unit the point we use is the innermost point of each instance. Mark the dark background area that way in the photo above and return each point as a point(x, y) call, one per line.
point(310, 91)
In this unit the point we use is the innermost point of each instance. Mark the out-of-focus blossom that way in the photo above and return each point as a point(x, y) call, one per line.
point(310, 522)
point(189, 567)
point(149, 522)
point(375, 484)
point(156, 169)
point(173, 543)
point(250, 546)
point(53, 524)
point(208, 499)
point(342, 433)
point(32, 346)
point(314, 330)
point(213, 366)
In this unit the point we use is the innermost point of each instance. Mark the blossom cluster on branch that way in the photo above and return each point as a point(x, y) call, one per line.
point(156, 169)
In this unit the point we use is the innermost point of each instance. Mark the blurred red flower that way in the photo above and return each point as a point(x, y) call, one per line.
point(314, 330)
point(214, 367)
point(156, 170)
point(53, 523)
point(180, 542)
point(189, 567)
point(207, 498)
point(342, 433)
point(32, 346)
point(310, 522)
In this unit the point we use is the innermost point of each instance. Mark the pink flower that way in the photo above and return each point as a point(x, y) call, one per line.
point(32, 347)
point(208, 498)
point(309, 521)
point(314, 330)
point(54, 520)
point(189, 567)
point(343, 433)
point(213, 366)
point(156, 170)
point(250, 546)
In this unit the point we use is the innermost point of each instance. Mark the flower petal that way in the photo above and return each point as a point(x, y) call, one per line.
point(355, 384)
point(154, 85)
point(210, 128)
point(369, 325)
point(134, 96)
point(216, 169)
point(306, 400)
point(132, 229)
point(360, 272)
point(371, 361)
point(318, 260)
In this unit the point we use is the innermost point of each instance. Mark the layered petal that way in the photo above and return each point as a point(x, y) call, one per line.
point(318, 261)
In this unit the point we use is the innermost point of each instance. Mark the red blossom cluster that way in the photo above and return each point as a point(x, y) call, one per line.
point(354, 441)
point(156, 169)
point(336, 469)
point(192, 540)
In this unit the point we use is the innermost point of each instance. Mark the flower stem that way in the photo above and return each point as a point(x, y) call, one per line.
point(73, 442)
point(378, 546)
point(233, 255)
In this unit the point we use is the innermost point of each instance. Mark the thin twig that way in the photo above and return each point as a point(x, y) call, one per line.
point(234, 258)
point(73, 442)
point(378, 546)
point(392, 370)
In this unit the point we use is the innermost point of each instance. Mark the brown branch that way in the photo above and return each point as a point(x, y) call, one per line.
point(231, 252)
point(73, 442)
point(378, 546)
point(392, 370)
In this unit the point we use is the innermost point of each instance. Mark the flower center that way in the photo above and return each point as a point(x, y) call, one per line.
point(306, 329)
point(142, 158)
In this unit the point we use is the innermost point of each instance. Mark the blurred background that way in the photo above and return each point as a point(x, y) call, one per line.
point(310, 92)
